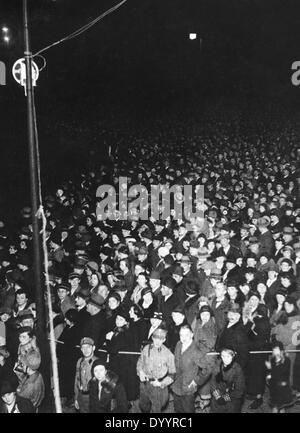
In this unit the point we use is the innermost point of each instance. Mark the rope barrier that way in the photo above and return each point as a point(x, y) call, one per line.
point(123, 352)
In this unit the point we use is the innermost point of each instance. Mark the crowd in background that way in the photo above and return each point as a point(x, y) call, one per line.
point(167, 293)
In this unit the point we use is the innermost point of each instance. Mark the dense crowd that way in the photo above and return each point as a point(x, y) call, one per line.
point(148, 310)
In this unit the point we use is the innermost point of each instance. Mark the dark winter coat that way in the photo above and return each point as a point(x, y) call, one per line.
point(113, 397)
point(235, 338)
point(259, 337)
point(228, 380)
point(24, 405)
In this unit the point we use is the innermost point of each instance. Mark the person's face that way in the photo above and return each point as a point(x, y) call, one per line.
point(186, 266)
point(24, 338)
point(287, 254)
point(115, 239)
point(289, 308)
point(233, 316)
point(120, 321)
point(62, 293)
point(177, 317)
point(141, 280)
point(244, 233)
point(154, 284)
point(280, 299)
point(155, 322)
point(220, 290)
point(251, 262)
point(74, 283)
point(9, 398)
point(123, 266)
point(21, 299)
point(94, 280)
point(158, 342)
point(287, 237)
point(113, 303)
point(79, 301)
point(254, 301)
point(224, 242)
point(261, 288)
point(87, 350)
point(28, 322)
point(156, 243)
point(276, 352)
point(186, 336)
point(177, 278)
point(232, 291)
point(4, 317)
point(205, 316)
point(142, 257)
point(132, 314)
point(100, 372)
point(285, 282)
point(226, 358)
point(165, 291)
point(182, 231)
point(285, 267)
point(137, 270)
point(263, 260)
point(148, 297)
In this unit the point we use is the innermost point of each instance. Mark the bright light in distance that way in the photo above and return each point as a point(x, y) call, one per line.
point(6, 39)
point(5, 29)
point(193, 36)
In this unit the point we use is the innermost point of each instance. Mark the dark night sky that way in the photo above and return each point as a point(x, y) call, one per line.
point(139, 58)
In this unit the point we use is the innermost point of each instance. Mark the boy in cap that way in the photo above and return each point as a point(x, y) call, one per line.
point(11, 402)
point(156, 369)
point(84, 374)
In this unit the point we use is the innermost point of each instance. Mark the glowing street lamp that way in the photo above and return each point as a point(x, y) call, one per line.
point(6, 39)
point(193, 36)
point(5, 29)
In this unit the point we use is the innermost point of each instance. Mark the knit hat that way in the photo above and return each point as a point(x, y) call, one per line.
point(101, 360)
point(83, 293)
point(7, 387)
point(178, 270)
point(205, 309)
point(96, 299)
point(169, 282)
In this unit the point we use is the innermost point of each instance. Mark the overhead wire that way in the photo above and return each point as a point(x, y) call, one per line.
point(81, 29)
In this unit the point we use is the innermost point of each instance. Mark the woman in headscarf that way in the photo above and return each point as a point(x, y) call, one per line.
point(259, 329)
point(228, 384)
point(116, 341)
point(285, 331)
point(279, 379)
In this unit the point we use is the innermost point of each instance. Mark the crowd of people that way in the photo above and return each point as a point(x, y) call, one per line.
point(151, 311)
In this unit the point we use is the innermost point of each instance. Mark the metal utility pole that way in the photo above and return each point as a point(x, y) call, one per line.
point(33, 170)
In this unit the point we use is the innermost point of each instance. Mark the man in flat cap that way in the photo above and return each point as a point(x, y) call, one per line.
point(266, 241)
point(95, 326)
point(84, 374)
